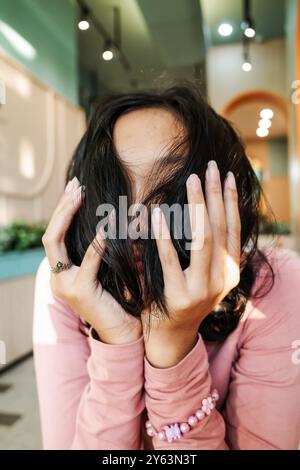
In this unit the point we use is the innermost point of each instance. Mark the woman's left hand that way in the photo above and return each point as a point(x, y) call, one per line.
point(213, 272)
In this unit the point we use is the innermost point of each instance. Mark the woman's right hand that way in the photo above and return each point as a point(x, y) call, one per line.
point(79, 287)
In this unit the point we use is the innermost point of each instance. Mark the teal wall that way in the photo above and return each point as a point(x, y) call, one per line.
point(50, 26)
point(19, 264)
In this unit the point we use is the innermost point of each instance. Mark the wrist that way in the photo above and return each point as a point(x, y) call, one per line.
point(167, 349)
point(118, 337)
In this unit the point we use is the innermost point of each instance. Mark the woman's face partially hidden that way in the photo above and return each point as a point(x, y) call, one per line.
point(141, 137)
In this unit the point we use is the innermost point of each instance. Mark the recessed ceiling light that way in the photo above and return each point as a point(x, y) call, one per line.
point(249, 32)
point(246, 66)
point(83, 25)
point(83, 22)
point(262, 132)
point(265, 123)
point(248, 27)
point(225, 29)
point(266, 113)
point(107, 55)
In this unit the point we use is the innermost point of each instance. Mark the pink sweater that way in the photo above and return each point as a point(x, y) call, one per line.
point(95, 396)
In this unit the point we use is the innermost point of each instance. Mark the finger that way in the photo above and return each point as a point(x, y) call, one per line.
point(216, 212)
point(54, 236)
point(70, 187)
point(201, 233)
point(172, 272)
point(68, 195)
point(233, 218)
point(90, 264)
point(72, 184)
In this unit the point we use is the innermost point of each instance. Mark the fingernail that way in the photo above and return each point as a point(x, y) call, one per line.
point(212, 172)
point(194, 182)
point(76, 196)
point(83, 188)
point(156, 214)
point(100, 235)
point(230, 180)
point(156, 222)
point(69, 186)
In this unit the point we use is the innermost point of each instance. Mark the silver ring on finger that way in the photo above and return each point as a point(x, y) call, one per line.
point(60, 266)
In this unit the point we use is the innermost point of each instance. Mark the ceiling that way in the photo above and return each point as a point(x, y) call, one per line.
point(160, 46)
point(164, 40)
point(268, 16)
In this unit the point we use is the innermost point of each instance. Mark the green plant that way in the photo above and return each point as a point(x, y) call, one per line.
point(20, 236)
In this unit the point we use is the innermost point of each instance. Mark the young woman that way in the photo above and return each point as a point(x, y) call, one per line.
point(151, 343)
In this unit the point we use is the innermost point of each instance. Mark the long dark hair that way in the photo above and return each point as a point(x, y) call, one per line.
point(208, 136)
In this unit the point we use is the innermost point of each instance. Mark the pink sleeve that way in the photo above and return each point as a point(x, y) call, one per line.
point(90, 393)
point(262, 407)
point(173, 394)
point(262, 410)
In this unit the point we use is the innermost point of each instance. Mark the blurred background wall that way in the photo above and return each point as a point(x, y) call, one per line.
point(41, 122)
point(58, 57)
point(50, 27)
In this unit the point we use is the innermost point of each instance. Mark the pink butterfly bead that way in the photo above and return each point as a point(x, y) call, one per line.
point(207, 405)
point(172, 432)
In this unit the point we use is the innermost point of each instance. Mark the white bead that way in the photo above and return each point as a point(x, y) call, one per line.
point(184, 427)
point(200, 414)
point(192, 420)
point(150, 432)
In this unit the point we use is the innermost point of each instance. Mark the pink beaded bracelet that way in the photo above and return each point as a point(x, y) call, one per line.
point(174, 431)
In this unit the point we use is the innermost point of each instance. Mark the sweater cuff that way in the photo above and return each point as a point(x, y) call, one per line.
point(173, 394)
point(117, 359)
point(193, 363)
